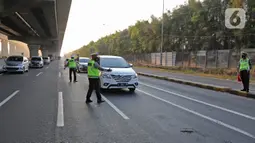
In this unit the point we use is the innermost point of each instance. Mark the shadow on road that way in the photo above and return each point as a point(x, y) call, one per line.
point(118, 92)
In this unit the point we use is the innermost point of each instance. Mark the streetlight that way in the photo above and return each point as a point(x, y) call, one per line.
point(162, 34)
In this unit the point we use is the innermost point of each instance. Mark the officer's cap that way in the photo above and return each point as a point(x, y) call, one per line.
point(94, 54)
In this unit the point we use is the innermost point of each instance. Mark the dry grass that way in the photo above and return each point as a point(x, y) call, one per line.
point(228, 74)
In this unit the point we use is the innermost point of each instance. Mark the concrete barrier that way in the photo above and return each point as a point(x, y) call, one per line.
point(1, 65)
point(202, 85)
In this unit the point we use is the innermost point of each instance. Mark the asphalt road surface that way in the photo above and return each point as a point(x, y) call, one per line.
point(41, 106)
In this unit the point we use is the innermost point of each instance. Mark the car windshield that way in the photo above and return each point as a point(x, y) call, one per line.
point(45, 58)
point(17, 59)
point(84, 60)
point(36, 59)
point(114, 63)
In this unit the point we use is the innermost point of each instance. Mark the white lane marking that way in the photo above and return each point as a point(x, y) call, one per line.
point(78, 74)
point(115, 108)
point(59, 74)
point(47, 67)
point(60, 118)
point(202, 116)
point(202, 102)
point(39, 73)
point(9, 97)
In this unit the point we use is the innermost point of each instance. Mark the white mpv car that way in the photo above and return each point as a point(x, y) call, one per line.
point(121, 76)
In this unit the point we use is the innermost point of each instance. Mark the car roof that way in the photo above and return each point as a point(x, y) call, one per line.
point(83, 58)
point(109, 56)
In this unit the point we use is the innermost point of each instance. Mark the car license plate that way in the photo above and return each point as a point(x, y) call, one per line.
point(122, 84)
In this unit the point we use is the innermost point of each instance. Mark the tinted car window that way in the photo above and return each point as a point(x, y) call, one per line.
point(36, 59)
point(84, 60)
point(18, 59)
point(114, 63)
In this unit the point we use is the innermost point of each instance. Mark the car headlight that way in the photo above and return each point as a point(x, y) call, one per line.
point(106, 76)
point(134, 76)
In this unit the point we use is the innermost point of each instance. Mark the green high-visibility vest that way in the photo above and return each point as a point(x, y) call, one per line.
point(92, 71)
point(244, 64)
point(71, 63)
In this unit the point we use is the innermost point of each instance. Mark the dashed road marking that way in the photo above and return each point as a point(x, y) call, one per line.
point(59, 74)
point(202, 102)
point(47, 67)
point(9, 97)
point(60, 116)
point(39, 73)
point(201, 115)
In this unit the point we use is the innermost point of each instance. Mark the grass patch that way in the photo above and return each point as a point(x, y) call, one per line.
point(227, 74)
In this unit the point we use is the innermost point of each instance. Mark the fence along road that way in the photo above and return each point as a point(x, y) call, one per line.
point(202, 59)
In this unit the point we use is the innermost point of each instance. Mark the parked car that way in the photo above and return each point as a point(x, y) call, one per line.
point(36, 62)
point(121, 76)
point(46, 60)
point(83, 64)
point(16, 64)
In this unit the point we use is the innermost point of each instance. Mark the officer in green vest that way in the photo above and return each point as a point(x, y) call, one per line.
point(244, 68)
point(93, 75)
point(72, 68)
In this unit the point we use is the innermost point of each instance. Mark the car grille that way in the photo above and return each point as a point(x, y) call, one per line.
point(11, 64)
point(12, 68)
point(122, 78)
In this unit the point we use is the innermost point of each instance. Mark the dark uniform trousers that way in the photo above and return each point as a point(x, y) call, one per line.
point(94, 85)
point(72, 71)
point(245, 77)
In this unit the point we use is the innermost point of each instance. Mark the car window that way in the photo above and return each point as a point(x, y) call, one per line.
point(18, 59)
point(114, 63)
point(45, 58)
point(36, 59)
point(84, 60)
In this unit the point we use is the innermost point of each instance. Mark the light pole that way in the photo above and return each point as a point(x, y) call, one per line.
point(162, 34)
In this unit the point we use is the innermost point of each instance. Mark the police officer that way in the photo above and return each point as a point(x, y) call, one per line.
point(93, 75)
point(244, 68)
point(72, 68)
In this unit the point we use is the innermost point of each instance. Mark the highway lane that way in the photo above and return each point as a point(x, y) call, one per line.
point(30, 116)
point(158, 112)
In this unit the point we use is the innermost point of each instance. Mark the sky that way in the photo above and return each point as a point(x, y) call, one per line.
point(92, 19)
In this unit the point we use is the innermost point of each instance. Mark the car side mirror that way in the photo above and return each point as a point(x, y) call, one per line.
point(131, 65)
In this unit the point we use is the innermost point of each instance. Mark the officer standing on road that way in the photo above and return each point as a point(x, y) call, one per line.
point(93, 75)
point(72, 68)
point(244, 68)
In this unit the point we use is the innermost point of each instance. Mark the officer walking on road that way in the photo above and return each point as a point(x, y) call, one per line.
point(72, 68)
point(93, 75)
point(244, 68)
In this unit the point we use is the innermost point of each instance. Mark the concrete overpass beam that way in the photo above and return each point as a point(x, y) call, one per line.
point(34, 50)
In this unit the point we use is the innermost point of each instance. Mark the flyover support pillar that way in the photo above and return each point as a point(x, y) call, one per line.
point(34, 50)
point(4, 48)
point(45, 53)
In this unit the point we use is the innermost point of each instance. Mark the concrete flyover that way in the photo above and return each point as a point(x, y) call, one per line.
point(40, 24)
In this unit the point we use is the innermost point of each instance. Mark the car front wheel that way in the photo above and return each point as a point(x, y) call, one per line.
point(131, 90)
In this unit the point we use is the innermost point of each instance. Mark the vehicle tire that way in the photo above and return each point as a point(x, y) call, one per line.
point(131, 90)
point(27, 69)
point(102, 90)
